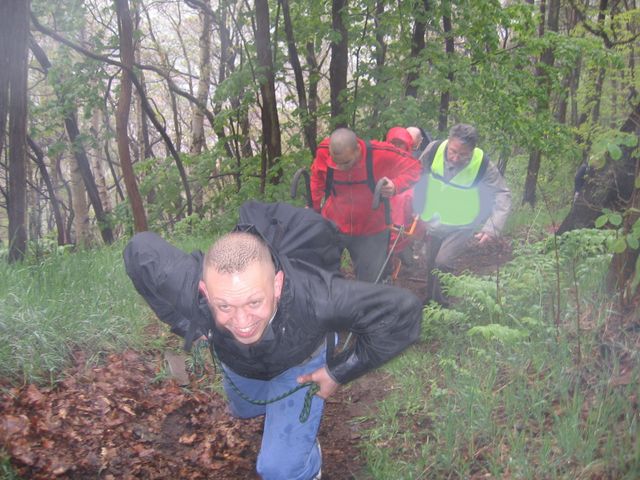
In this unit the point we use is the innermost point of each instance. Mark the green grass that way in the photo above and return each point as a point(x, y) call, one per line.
point(67, 302)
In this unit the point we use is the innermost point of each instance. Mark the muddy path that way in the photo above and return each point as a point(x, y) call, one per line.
point(118, 421)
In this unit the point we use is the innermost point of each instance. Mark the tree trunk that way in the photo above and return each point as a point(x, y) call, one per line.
point(542, 103)
point(98, 162)
point(198, 143)
point(5, 36)
point(294, 60)
point(269, 110)
point(339, 65)
point(314, 78)
point(125, 29)
point(445, 97)
point(80, 154)
point(53, 197)
point(106, 147)
point(197, 115)
point(35, 203)
point(80, 207)
point(418, 44)
point(82, 160)
point(379, 55)
point(15, 28)
point(226, 65)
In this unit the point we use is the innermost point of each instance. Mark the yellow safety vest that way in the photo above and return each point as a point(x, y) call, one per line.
point(456, 202)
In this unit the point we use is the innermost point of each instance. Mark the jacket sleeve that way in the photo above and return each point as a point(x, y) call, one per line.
point(383, 319)
point(494, 191)
point(167, 278)
point(319, 175)
point(401, 168)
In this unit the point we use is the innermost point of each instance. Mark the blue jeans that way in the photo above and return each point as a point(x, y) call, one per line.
point(288, 449)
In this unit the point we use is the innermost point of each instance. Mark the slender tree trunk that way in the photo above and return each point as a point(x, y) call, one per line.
point(53, 197)
point(314, 78)
point(125, 29)
point(379, 55)
point(197, 115)
point(269, 111)
point(98, 162)
point(106, 147)
point(573, 94)
point(445, 97)
point(418, 43)
point(82, 160)
point(339, 62)
point(5, 36)
point(16, 28)
point(144, 149)
point(34, 212)
point(542, 103)
point(198, 143)
point(294, 60)
point(225, 66)
point(81, 223)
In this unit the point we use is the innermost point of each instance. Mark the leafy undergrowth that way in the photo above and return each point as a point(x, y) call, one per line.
point(518, 379)
point(123, 419)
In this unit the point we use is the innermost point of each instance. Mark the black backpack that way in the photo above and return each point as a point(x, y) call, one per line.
point(293, 232)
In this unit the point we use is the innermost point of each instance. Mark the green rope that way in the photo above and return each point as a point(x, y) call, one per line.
point(306, 407)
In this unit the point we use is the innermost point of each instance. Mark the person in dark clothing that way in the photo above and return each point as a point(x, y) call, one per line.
point(270, 321)
point(421, 138)
point(580, 178)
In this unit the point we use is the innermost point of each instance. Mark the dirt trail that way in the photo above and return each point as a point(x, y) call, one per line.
point(116, 422)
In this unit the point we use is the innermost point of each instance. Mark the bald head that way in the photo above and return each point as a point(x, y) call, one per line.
point(342, 140)
point(235, 251)
point(344, 148)
point(416, 134)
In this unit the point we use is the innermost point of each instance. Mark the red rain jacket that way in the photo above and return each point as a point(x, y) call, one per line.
point(349, 207)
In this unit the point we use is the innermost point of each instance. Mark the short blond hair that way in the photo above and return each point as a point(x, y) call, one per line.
point(235, 251)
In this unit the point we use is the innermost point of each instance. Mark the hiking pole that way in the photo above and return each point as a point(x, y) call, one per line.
point(377, 197)
point(302, 172)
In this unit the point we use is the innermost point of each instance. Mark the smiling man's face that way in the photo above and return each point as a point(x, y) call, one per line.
point(244, 302)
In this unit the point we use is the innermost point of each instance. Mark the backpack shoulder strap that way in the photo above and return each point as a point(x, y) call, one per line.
point(482, 170)
point(328, 184)
point(371, 181)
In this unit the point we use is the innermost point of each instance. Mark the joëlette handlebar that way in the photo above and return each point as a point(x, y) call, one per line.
point(377, 197)
point(302, 172)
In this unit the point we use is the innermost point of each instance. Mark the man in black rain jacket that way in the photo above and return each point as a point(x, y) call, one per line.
point(270, 320)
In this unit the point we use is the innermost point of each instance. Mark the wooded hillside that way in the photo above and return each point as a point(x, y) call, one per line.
point(127, 115)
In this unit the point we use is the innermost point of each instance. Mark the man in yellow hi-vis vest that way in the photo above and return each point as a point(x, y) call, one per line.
point(461, 196)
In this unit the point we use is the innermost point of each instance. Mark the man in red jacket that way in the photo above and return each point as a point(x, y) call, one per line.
point(344, 174)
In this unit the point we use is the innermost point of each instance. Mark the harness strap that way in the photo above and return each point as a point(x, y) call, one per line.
point(329, 188)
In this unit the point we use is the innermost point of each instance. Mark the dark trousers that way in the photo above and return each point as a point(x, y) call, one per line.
point(443, 248)
point(368, 253)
